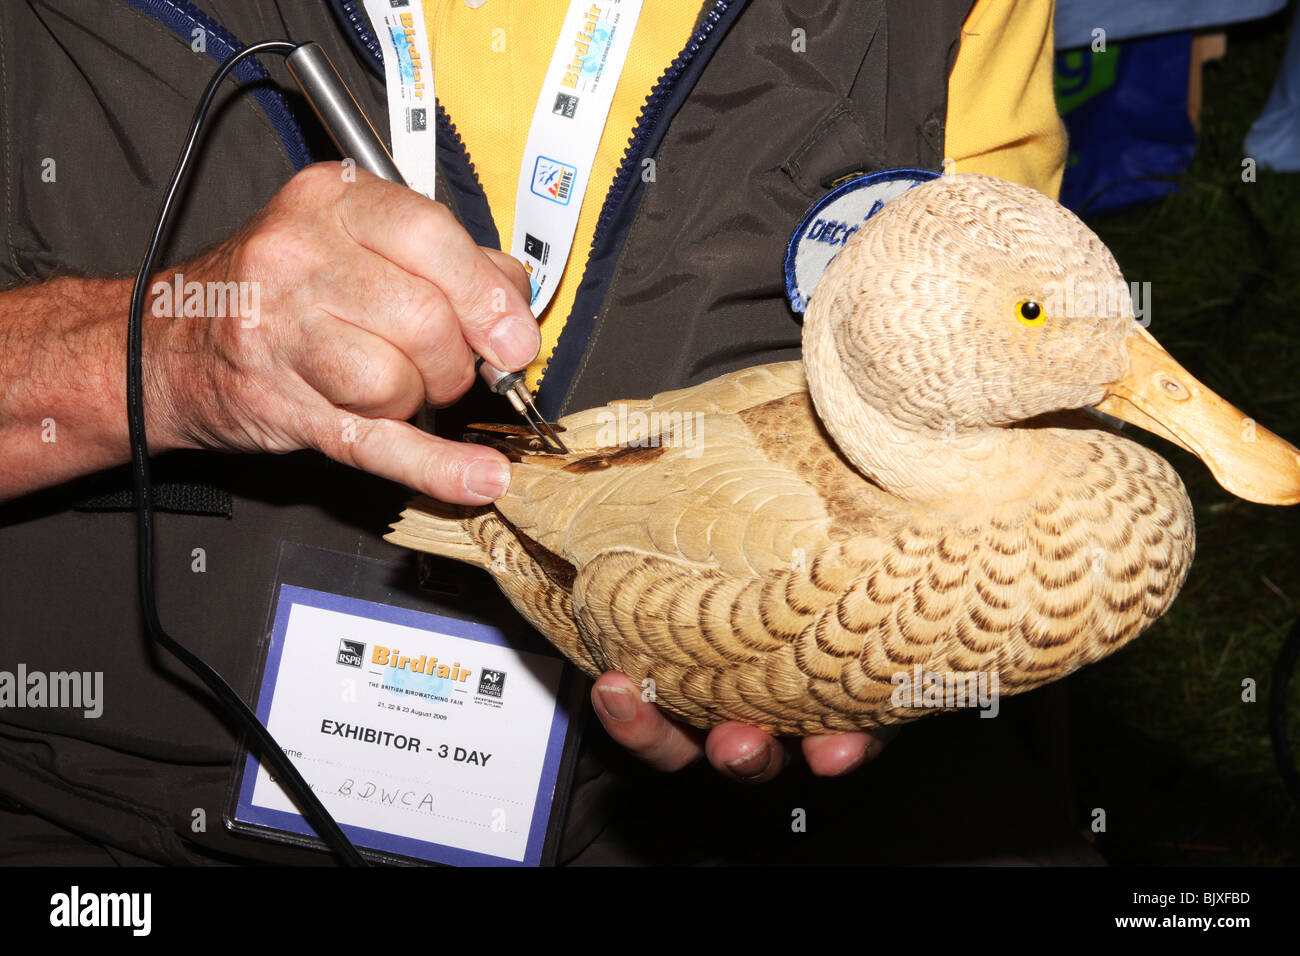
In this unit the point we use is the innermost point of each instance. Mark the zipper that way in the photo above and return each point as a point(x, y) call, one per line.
point(466, 188)
point(647, 121)
point(350, 13)
point(182, 17)
point(449, 132)
point(649, 118)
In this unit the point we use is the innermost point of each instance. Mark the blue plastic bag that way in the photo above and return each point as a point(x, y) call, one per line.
point(1126, 113)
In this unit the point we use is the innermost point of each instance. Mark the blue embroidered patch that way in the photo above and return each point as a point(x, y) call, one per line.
point(830, 223)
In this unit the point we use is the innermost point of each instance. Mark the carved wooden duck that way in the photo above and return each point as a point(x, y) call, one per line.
point(790, 545)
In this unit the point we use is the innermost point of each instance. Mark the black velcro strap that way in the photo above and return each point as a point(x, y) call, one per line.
point(182, 497)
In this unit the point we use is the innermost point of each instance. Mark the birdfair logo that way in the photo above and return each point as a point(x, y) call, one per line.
point(946, 689)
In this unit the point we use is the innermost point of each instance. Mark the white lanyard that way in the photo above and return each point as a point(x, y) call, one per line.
point(568, 121)
point(408, 78)
point(567, 124)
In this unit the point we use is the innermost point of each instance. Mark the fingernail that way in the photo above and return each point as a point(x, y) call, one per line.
point(853, 764)
point(618, 703)
point(487, 478)
point(516, 340)
point(753, 764)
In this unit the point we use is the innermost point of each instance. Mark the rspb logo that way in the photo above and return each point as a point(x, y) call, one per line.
point(566, 105)
point(492, 683)
point(351, 653)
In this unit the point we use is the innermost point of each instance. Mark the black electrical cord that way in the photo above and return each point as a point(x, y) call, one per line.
point(1282, 673)
point(266, 748)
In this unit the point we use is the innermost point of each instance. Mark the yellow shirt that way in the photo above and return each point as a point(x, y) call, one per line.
point(489, 64)
point(1002, 118)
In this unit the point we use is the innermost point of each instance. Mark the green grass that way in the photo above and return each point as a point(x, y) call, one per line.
point(1164, 741)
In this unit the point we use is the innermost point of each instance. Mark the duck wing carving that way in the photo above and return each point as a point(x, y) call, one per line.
point(712, 544)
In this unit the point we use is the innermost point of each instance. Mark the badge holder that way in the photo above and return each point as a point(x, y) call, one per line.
point(431, 734)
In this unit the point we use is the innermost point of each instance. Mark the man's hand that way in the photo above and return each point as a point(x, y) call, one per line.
point(735, 750)
point(343, 307)
point(371, 298)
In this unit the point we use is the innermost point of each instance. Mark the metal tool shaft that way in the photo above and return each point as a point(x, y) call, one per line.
point(339, 112)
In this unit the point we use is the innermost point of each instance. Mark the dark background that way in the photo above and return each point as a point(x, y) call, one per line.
point(1163, 741)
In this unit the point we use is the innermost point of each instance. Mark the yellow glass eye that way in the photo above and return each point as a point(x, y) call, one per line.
point(1030, 313)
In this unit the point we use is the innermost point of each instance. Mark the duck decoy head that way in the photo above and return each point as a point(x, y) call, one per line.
point(970, 303)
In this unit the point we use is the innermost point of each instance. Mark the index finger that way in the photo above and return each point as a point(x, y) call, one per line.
point(423, 237)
